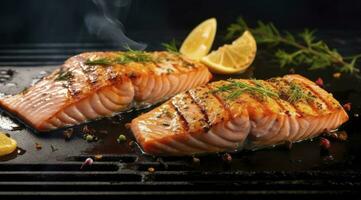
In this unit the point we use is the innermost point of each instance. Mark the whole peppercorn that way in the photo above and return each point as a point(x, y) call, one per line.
point(227, 157)
point(347, 106)
point(325, 146)
point(319, 82)
point(325, 143)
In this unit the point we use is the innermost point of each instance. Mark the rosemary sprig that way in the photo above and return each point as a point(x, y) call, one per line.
point(236, 88)
point(123, 58)
point(295, 94)
point(171, 46)
point(302, 49)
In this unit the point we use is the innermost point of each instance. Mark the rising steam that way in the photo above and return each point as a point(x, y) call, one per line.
point(107, 26)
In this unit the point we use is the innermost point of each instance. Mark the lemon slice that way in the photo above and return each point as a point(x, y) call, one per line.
point(7, 145)
point(233, 58)
point(199, 42)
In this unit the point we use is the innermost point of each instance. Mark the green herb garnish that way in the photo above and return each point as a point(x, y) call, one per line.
point(236, 88)
point(121, 138)
point(100, 61)
point(134, 56)
point(171, 46)
point(25, 90)
point(123, 58)
point(64, 75)
point(295, 94)
point(302, 48)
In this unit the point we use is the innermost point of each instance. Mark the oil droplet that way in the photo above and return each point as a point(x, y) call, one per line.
point(18, 152)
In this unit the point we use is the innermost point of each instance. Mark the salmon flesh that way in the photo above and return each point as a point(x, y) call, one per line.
point(238, 114)
point(98, 84)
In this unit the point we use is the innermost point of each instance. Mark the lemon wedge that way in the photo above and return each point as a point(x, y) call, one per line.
point(199, 42)
point(7, 145)
point(233, 58)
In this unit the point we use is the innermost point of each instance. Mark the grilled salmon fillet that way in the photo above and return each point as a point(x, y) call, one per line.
point(238, 114)
point(97, 84)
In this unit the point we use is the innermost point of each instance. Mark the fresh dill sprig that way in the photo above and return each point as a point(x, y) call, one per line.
point(236, 88)
point(171, 46)
point(100, 61)
point(123, 58)
point(302, 48)
point(296, 94)
point(135, 56)
point(63, 75)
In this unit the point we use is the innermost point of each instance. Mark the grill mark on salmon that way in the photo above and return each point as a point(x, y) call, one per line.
point(220, 100)
point(311, 104)
point(246, 122)
point(78, 92)
point(317, 95)
point(202, 109)
point(291, 104)
point(183, 121)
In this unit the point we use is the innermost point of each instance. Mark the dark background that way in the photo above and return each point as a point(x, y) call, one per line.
point(34, 21)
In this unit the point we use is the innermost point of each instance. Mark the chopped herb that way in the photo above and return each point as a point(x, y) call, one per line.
point(100, 61)
point(25, 90)
point(237, 88)
point(171, 46)
point(89, 138)
point(169, 70)
point(123, 58)
point(121, 138)
point(64, 75)
point(295, 93)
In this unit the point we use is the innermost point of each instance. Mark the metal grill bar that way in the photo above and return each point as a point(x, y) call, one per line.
point(47, 53)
